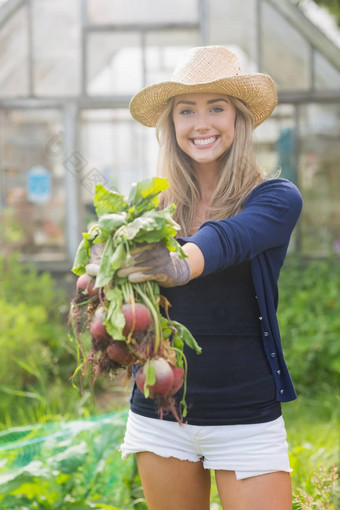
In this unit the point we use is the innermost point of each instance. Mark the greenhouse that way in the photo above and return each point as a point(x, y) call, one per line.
point(68, 70)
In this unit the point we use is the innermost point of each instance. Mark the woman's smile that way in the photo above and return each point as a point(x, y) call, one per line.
point(204, 143)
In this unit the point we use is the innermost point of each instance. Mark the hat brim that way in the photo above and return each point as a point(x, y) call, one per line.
point(257, 91)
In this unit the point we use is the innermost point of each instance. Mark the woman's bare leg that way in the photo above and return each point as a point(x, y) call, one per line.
point(264, 492)
point(173, 484)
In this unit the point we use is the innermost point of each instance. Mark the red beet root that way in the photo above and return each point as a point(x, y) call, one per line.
point(97, 328)
point(164, 378)
point(119, 352)
point(178, 379)
point(137, 317)
point(85, 285)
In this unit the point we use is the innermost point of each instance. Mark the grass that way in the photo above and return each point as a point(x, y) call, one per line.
point(313, 437)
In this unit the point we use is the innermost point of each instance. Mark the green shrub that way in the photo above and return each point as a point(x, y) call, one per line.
point(309, 318)
point(36, 356)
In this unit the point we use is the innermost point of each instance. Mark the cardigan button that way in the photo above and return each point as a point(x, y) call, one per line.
point(278, 372)
point(266, 333)
point(282, 391)
point(273, 355)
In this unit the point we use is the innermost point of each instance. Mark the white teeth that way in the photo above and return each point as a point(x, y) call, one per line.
point(205, 141)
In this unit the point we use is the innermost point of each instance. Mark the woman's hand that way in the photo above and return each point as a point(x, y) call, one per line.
point(156, 262)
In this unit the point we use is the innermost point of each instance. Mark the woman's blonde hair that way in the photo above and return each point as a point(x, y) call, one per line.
point(238, 175)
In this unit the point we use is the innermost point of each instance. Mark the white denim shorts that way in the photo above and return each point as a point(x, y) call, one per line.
point(249, 450)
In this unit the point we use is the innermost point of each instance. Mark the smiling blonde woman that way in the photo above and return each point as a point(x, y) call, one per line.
point(235, 229)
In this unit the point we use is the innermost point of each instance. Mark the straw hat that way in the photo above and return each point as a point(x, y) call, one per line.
point(207, 69)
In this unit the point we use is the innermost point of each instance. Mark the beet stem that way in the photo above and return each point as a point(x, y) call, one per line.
point(101, 298)
point(150, 305)
point(183, 402)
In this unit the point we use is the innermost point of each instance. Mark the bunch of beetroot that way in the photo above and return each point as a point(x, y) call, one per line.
point(128, 324)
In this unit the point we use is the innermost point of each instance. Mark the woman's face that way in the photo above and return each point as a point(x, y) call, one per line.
point(204, 126)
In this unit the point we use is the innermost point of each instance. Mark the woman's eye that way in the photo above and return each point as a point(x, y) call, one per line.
point(186, 112)
point(217, 109)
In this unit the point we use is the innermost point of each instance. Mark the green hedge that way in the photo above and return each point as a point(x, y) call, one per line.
point(309, 318)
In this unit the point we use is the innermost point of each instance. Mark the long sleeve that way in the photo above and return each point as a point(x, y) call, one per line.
point(266, 221)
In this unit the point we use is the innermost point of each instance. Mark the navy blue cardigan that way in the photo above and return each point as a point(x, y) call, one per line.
point(260, 233)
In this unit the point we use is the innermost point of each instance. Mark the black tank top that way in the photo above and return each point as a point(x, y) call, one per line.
point(231, 381)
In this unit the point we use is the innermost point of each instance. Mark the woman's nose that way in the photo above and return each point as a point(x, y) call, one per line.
point(202, 122)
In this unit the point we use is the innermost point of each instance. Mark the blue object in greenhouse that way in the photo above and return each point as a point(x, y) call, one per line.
point(74, 464)
point(286, 146)
point(39, 185)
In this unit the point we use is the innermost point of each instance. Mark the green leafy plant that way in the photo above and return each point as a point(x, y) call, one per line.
point(74, 465)
point(325, 489)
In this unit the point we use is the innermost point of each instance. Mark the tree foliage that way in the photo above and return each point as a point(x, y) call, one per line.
point(333, 7)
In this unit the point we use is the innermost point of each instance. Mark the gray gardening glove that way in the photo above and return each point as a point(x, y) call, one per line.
point(156, 262)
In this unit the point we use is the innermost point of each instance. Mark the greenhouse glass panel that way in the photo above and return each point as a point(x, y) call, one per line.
point(163, 50)
point(319, 178)
point(142, 11)
point(285, 54)
point(325, 75)
point(32, 206)
point(276, 150)
point(119, 149)
point(56, 47)
point(115, 64)
point(14, 72)
point(227, 27)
